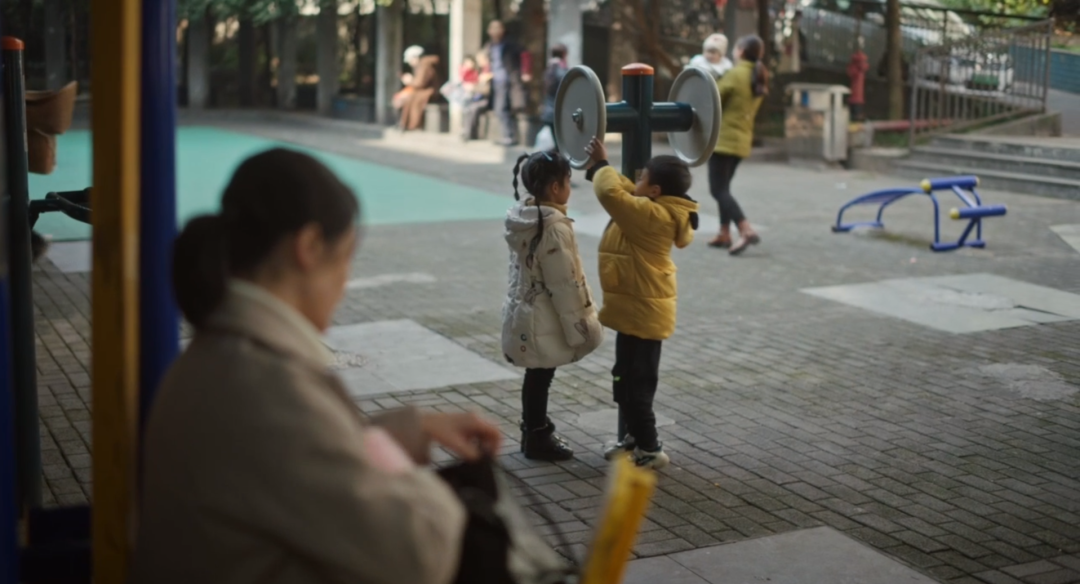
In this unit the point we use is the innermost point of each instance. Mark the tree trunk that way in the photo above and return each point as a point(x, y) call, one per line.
point(286, 73)
point(198, 66)
point(894, 65)
point(644, 23)
point(358, 49)
point(55, 45)
point(764, 27)
point(266, 72)
point(247, 73)
point(731, 27)
point(327, 65)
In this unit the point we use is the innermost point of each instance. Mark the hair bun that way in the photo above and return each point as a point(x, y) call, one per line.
point(200, 267)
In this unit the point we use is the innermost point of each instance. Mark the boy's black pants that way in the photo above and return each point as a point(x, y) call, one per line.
point(636, 375)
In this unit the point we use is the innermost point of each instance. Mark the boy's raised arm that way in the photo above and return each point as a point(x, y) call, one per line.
point(616, 194)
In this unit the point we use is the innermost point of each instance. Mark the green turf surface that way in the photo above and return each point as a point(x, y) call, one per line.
point(206, 157)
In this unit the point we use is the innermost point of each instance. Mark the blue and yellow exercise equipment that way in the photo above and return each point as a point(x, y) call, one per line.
point(136, 327)
point(964, 188)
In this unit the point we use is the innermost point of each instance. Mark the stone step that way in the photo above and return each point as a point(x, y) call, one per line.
point(978, 162)
point(1058, 188)
point(1062, 149)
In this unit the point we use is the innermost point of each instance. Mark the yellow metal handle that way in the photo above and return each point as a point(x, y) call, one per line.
point(629, 490)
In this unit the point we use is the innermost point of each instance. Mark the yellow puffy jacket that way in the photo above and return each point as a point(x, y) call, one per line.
point(636, 271)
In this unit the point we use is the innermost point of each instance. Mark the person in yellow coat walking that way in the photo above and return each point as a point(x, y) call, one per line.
point(741, 92)
point(638, 279)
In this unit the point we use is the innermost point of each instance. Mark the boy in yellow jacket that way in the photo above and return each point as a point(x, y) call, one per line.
point(638, 279)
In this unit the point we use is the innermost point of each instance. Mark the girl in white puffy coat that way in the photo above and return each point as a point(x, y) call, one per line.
point(549, 318)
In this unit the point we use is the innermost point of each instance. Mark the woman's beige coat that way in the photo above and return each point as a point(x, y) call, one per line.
point(255, 470)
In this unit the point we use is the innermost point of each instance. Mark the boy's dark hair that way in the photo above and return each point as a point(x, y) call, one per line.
point(538, 172)
point(559, 51)
point(672, 175)
point(669, 173)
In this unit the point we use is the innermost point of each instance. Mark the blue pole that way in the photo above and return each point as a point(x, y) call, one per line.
point(159, 326)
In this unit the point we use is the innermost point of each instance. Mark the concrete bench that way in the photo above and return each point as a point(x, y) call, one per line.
point(437, 118)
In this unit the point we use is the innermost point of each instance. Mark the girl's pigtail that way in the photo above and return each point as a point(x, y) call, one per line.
point(517, 169)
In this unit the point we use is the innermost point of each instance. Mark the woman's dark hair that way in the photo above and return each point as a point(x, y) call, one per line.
point(559, 51)
point(538, 172)
point(753, 49)
point(270, 196)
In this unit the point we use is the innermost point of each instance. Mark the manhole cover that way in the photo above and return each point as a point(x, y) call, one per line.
point(976, 300)
point(1031, 381)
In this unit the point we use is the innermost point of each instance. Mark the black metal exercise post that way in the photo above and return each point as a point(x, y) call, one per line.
point(636, 117)
point(24, 364)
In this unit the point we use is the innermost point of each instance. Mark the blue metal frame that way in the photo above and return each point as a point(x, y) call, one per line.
point(159, 334)
point(962, 186)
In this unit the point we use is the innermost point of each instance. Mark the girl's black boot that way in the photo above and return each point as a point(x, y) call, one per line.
point(544, 444)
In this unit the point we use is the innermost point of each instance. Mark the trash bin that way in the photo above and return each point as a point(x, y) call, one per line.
point(816, 122)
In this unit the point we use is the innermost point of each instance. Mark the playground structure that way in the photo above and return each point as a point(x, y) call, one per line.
point(135, 325)
point(962, 186)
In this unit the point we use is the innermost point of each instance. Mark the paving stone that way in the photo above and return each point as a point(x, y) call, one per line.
point(1032, 569)
point(660, 569)
point(1056, 577)
point(814, 555)
point(996, 577)
point(1070, 562)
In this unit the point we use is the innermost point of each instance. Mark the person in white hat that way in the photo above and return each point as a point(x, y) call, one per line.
point(713, 57)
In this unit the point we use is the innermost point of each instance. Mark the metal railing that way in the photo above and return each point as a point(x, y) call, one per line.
point(830, 29)
point(994, 76)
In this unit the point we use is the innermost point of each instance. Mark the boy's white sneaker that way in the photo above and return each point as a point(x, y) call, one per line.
point(655, 460)
point(624, 447)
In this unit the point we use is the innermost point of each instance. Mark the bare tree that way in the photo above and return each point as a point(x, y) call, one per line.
point(764, 27)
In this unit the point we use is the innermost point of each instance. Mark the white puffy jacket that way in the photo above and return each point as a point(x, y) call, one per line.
point(549, 317)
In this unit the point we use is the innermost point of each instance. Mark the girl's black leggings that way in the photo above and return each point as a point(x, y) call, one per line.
point(721, 171)
point(534, 397)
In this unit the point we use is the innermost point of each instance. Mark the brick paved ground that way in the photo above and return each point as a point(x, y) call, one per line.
point(790, 411)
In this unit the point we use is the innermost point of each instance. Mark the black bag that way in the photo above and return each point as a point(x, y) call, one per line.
point(500, 546)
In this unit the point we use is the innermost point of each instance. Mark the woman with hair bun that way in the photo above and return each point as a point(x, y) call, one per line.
point(258, 467)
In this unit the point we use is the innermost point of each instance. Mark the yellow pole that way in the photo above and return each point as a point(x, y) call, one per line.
point(116, 37)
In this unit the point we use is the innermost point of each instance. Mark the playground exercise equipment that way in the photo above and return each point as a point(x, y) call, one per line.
point(691, 117)
point(58, 539)
point(136, 329)
point(963, 186)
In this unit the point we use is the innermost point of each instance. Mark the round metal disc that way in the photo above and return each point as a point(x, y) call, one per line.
point(697, 88)
point(580, 114)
